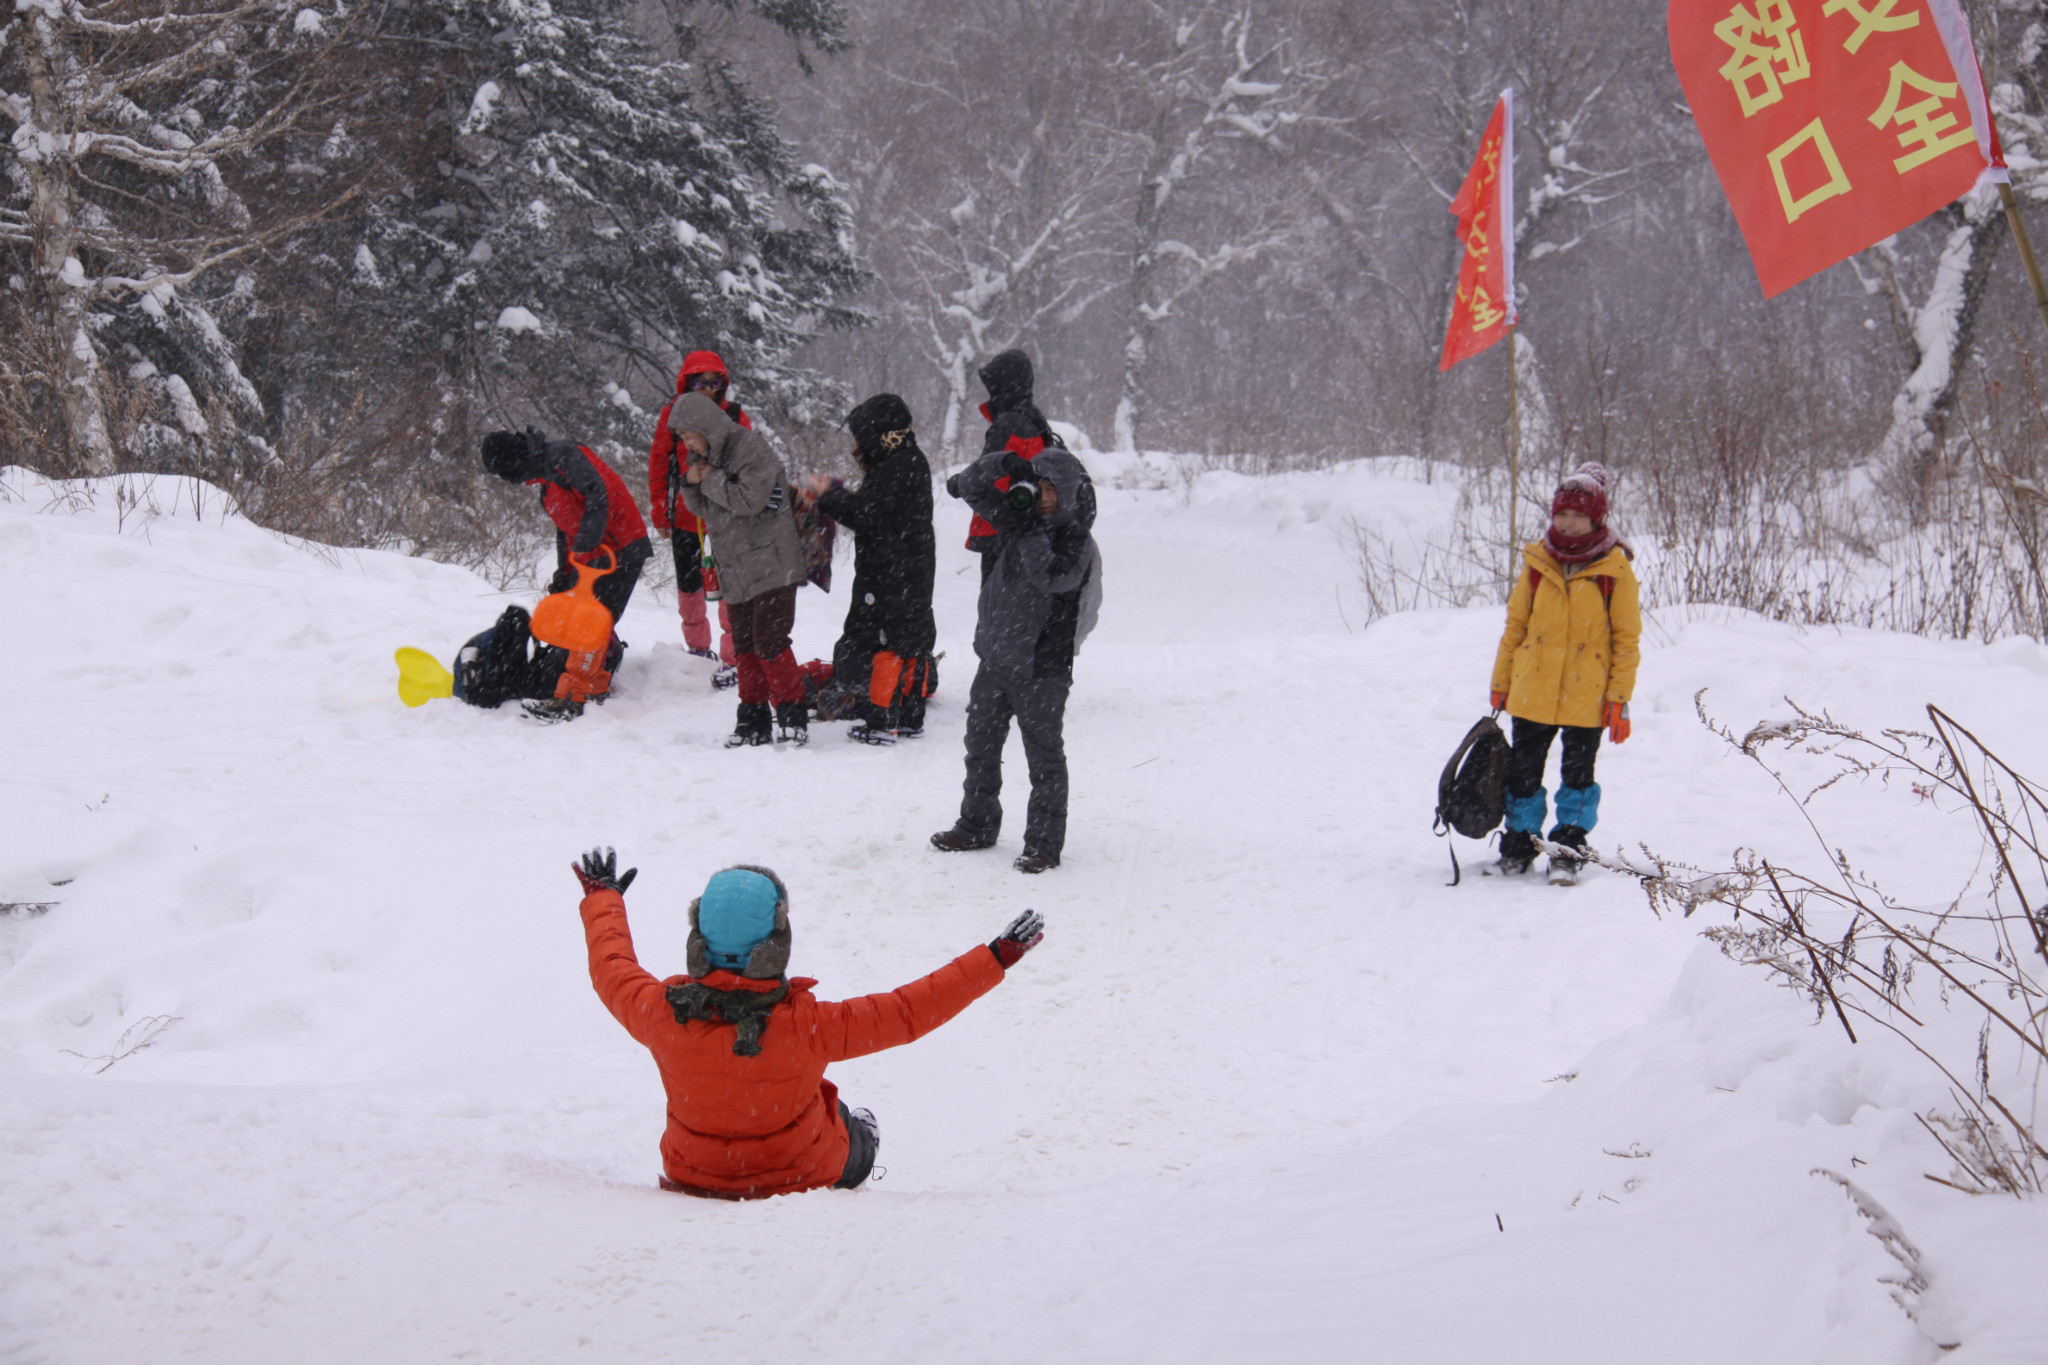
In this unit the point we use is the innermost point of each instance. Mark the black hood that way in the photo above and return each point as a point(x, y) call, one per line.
point(1008, 379)
point(880, 416)
point(516, 457)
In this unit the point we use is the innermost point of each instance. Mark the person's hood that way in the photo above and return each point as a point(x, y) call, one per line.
point(1008, 379)
point(1069, 477)
point(701, 362)
point(880, 416)
point(516, 456)
point(770, 959)
point(695, 412)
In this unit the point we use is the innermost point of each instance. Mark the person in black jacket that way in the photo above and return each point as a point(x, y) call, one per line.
point(1039, 599)
point(885, 648)
point(1015, 426)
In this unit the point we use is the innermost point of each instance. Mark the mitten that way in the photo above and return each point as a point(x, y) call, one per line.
point(600, 872)
point(1025, 933)
point(1615, 718)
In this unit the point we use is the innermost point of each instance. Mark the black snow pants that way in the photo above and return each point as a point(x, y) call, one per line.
point(1532, 748)
point(861, 1148)
point(1040, 706)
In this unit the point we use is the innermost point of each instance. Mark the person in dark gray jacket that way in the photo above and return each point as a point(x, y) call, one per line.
point(1038, 602)
point(735, 483)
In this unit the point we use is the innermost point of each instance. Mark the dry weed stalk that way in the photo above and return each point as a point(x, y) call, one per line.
point(1984, 949)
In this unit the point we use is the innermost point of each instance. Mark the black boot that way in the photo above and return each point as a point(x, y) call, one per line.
point(753, 727)
point(1564, 868)
point(878, 728)
point(1517, 851)
point(960, 839)
point(792, 724)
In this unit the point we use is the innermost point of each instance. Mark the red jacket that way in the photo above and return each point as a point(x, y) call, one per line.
point(667, 515)
point(749, 1127)
point(568, 505)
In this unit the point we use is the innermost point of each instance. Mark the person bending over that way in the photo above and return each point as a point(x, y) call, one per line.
point(742, 1046)
point(592, 511)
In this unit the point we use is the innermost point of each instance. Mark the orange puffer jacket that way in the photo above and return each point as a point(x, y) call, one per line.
point(749, 1127)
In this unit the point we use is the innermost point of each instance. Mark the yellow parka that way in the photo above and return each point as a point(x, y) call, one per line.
point(1570, 645)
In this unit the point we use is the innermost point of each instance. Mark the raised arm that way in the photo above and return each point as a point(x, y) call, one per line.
point(634, 995)
point(855, 1028)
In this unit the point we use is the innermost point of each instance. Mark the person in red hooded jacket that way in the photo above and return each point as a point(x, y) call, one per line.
point(742, 1046)
point(593, 512)
point(702, 372)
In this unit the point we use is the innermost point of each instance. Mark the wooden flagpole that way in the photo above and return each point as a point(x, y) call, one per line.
point(1515, 452)
point(2019, 233)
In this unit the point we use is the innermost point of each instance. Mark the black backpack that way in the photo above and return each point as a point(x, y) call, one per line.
point(1472, 795)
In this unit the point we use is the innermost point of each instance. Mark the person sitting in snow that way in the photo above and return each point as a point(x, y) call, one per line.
point(594, 516)
point(702, 372)
point(732, 480)
point(742, 1046)
point(1040, 593)
point(1567, 661)
point(885, 648)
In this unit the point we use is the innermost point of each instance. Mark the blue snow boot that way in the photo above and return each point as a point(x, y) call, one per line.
point(1525, 822)
point(1577, 807)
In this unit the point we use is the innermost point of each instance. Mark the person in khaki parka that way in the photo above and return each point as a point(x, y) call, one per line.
point(1567, 662)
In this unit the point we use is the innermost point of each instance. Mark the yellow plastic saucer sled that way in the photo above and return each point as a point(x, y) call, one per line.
point(421, 678)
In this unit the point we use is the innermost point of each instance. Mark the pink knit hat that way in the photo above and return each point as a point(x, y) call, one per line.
point(1583, 490)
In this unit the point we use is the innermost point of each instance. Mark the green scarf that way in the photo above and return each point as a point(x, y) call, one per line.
point(746, 1011)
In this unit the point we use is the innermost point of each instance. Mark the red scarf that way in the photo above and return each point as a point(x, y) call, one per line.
point(1580, 549)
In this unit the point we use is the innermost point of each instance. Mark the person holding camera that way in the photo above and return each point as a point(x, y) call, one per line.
point(885, 648)
point(1039, 597)
point(742, 1046)
point(1015, 426)
point(734, 482)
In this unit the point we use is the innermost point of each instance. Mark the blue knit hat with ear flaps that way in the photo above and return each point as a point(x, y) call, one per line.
point(735, 914)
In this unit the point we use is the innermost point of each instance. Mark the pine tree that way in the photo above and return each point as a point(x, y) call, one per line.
point(574, 211)
point(154, 149)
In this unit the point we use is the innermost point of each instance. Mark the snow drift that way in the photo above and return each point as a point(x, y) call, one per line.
point(1269, 1090)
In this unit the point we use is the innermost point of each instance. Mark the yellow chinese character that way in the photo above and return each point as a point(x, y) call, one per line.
point(1836, 183)
point(1485, 312)
point(1757, 68)
point(1872, 16)
point(1477, 243)
point(1923, 122)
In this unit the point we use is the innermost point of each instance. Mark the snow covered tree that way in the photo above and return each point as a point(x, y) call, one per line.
point(154, 147)
point(1933, 277)
point(579, 210)
point(1222, 84)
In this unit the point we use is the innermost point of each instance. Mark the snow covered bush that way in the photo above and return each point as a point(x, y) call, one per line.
point(1980, 1015)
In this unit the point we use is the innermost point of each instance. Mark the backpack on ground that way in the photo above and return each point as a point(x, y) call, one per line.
point(1472, 794)
point(503, 663)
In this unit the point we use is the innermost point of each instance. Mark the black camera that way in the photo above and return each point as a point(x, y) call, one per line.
point(1022, 495)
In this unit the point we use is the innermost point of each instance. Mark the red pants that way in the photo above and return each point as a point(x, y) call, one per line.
point(760, 639)
point(697, 624)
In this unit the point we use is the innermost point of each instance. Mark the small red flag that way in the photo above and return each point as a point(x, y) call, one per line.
point(1833, 123)
point(1485, 306)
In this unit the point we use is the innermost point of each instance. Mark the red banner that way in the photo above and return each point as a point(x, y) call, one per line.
point(1485, 306)
point(1833, 123)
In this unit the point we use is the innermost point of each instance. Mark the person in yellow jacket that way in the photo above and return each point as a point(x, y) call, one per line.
point(1567, 662)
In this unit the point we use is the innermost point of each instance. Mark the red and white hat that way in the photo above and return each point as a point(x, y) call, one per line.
point(1583, 490)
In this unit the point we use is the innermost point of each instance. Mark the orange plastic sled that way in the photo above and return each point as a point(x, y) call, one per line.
point(575, 620)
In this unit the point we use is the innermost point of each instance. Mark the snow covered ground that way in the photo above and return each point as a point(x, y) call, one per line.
point(1270, 1090)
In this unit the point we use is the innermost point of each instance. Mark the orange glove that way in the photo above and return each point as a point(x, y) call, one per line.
point(1615, 718)
point(1500, 699)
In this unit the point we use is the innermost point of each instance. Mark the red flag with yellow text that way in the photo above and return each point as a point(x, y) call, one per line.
point(1484, 308)
point(1833, 123)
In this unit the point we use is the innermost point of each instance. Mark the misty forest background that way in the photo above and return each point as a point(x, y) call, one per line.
point(311, 254)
